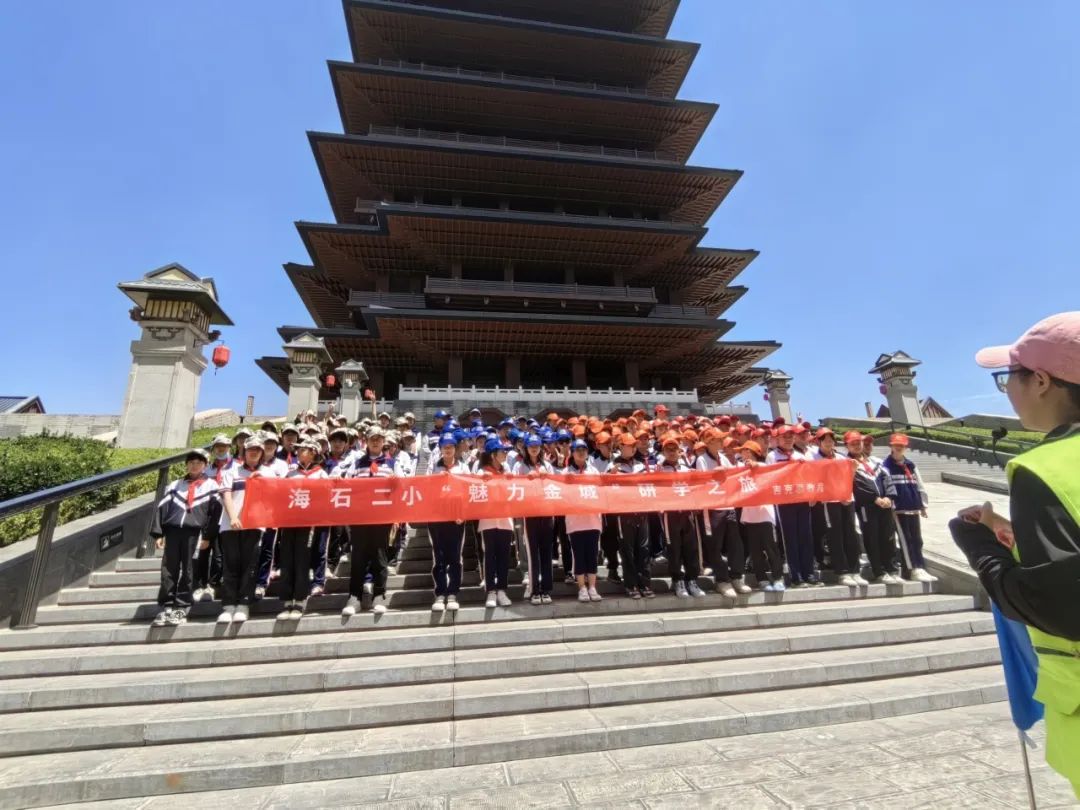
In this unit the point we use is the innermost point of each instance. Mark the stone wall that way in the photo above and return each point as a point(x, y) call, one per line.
point(13, 425)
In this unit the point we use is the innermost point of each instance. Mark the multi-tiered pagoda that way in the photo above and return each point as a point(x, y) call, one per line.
point(514, 207)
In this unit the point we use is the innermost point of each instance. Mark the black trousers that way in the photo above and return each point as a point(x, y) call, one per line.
point(497, 544)
point(294, 547)
point(368, 547)
point(657, 537)
point(840, 537)
point(879, 540)
point(585, 546)
point(447, 542)
point(797, 529)
point(207, 567)
point(634, 549)
point(540, 545)
point(684, 552)
point(764, 551)
point(911, 526)
point(609, 543)
point(336, 545)
point(724, 551)
point(176, 563)
point(239, 561)
point(566, 556)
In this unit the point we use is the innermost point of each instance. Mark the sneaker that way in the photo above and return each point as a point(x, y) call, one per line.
point(502, 599)
point(275, 574)
point(369, 588)
point(884, 579)
point(240, 615)
point(343, 559)
point(286, 613)
point(594, 595)
point(177, 617)
point(318, 590)
point(570, 579)
point(528, 589)
point(659, 558)
point(706, 572)
point(800, 585)
point(208, 594)
point(740, 586)
point(848, 581)
point(921, 575)
point(260, 591)
point(492, 600)
point(893, 579)
point(779, 586)
point(583, 595)
point(226, 615)
point(378, 605)
point(722, 588)
point(545, 598)
point(633, 593)
point(351, 607)
point(438, 606)
point(768, 587)
point(860, 580)
point(695, 590)
point(817, 583)
point(452, 604)
point(536, 599)
point(197, 594)
point(680, 590)
point(297, 612)
point(615, 578)
point(161, 619)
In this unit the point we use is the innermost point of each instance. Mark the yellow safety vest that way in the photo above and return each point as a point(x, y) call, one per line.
point(1058, 689)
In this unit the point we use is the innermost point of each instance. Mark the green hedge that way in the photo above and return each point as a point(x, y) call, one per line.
point(33, 463)
point(965, 437)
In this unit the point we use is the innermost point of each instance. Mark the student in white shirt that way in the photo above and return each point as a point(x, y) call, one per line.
point(539, 531)
point(447, 537)
point(497, 533)
point(759, 529)
point(584, 530)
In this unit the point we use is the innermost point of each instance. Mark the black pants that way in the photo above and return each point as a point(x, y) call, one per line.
point(239, 560)
point(294, 547)
point(447, 540)
point(876, 526)
point(267, 552)
point(684, 552)
point(207, 568)
point(911, 526)
point(336, 544)
point(176, 563)
point(540, 545)
point(609, 543)
point(634, 550)
point(319, 540)
point(764, 552)
point(566, 556)
point(797, 529)
point(497, 544)
point(819, 528)
point(657, 536)
point(840, 537)
point(585, 546)
point(726, 542)
point(368, 546)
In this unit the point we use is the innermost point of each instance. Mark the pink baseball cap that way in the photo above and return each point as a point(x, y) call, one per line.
point(1052, 345)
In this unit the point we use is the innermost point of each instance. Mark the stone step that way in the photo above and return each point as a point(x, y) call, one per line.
point(136, 771)
point(376, 670)
point(311, 711)
point(402, 599)
point(54, 631)
point(253, 645)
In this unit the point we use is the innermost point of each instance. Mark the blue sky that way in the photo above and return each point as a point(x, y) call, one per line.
point(911, 180)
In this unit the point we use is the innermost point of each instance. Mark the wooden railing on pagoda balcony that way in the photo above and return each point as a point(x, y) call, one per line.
point(524, 289)
point(502, 75)
point(546, 396)
point(678, 311)
point(521, 143)
point(387, 300)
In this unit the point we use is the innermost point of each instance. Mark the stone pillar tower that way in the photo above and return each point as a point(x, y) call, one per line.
point(896, 372)
point(175, 310)
point(778, 384)
point(351, 377)
point(307, 355)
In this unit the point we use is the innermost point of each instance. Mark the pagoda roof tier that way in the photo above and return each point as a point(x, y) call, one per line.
point(700, 274)
point(421, 238)
point(380, 29)
point(378, 166)
point(712, 369)
point(650, 17)
point(442, 98)
point(730, 386)
point(326, 298)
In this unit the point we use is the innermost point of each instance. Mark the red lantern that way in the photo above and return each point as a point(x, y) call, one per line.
point(331, 381)
point(766, 397)
point(883, 389)
point(220, 357)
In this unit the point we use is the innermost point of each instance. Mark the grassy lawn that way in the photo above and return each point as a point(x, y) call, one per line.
point(965, 436)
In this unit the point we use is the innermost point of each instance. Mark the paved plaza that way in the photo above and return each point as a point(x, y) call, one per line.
point(945, 501)
point(956, 758)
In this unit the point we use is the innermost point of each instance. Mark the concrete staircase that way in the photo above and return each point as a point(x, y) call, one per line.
point(97, 706)
point(934, 467)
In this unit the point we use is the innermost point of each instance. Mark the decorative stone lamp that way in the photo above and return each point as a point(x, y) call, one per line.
point(307, 355)
point(351, 377)
point(896, 373)
point(778, 385)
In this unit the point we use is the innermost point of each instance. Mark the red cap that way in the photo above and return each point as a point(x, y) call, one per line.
point(799, 429)
point(853, 436)
point(661, 409)
point(784, 430)
point(627, 440)
point(823, 432)
point(898, 439)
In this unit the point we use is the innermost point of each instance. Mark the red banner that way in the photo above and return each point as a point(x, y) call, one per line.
point(426, 499)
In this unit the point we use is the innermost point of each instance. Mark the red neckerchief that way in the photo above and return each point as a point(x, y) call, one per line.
point(314, 468)
point(193, 487)
point(219, 467)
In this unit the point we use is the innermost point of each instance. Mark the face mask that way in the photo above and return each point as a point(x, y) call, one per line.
point(222, 456)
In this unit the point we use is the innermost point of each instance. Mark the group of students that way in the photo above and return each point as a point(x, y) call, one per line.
point(209, 553)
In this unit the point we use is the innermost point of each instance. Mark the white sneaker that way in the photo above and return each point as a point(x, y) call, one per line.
point(285, 614)
point(894, 579)
point(884, 579)
point(706, 572)
point(260, 591)
point(722, 588)
point(378, 605)
point(680, 590)
point(583, 595)
point(452, 604)
point(240, 615)
point(492, 600)
point(208, 594)
point(929, 577)
point(197, 594)
point(226, 615)
point(528, 588)
point(438, 606)
point(297, 612)
point(860, 580)
point(369, 588)
point(502, 599)
point(350, 607)
point(695, 590)
point(848, 580)
point(740, 586)
point(594, 595)
point(536, 599)
point(161, 619)
point(921, 575)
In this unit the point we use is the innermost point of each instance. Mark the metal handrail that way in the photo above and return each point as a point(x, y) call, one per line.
point(50, 500)
point(977, 442)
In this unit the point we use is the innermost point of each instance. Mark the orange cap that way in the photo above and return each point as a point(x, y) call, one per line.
point(754, 448)
point(603, 437)
point(626, 440)
point(642, 434)
point(690, 435)
point(853, 436)
point(699, 447)
point(670, 441)
point(712, 435)
point(898, 440)
point(579, 430)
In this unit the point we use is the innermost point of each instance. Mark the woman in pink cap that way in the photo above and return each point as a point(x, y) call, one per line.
point(1030, 565)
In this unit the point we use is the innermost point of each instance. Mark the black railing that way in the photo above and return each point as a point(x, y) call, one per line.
point(975, 444)
point(50, 501)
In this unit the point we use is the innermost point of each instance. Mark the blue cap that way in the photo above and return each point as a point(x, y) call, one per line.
point(564, 436)
point(532, 440)
point(477, 423)
point(514, 434)
point(441, 414)
point(494, 446)
point(448, 440)
point(460, 435)
point(578, 444)
point(506, 423)
point(533, 423)
point(548, 438)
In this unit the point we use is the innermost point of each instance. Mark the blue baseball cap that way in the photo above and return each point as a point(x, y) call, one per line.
point(506, 422)
point(514, 435)
point(494, 446)
point(448, 440)
point(460, 435)
point(563, 436)
point(532, 440)
point(579, 444)
point(441, 414)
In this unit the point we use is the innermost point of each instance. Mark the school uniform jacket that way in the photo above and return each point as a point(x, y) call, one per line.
point(188, 504)
point(911, 497)
point(234, 481)
point(871, 482)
